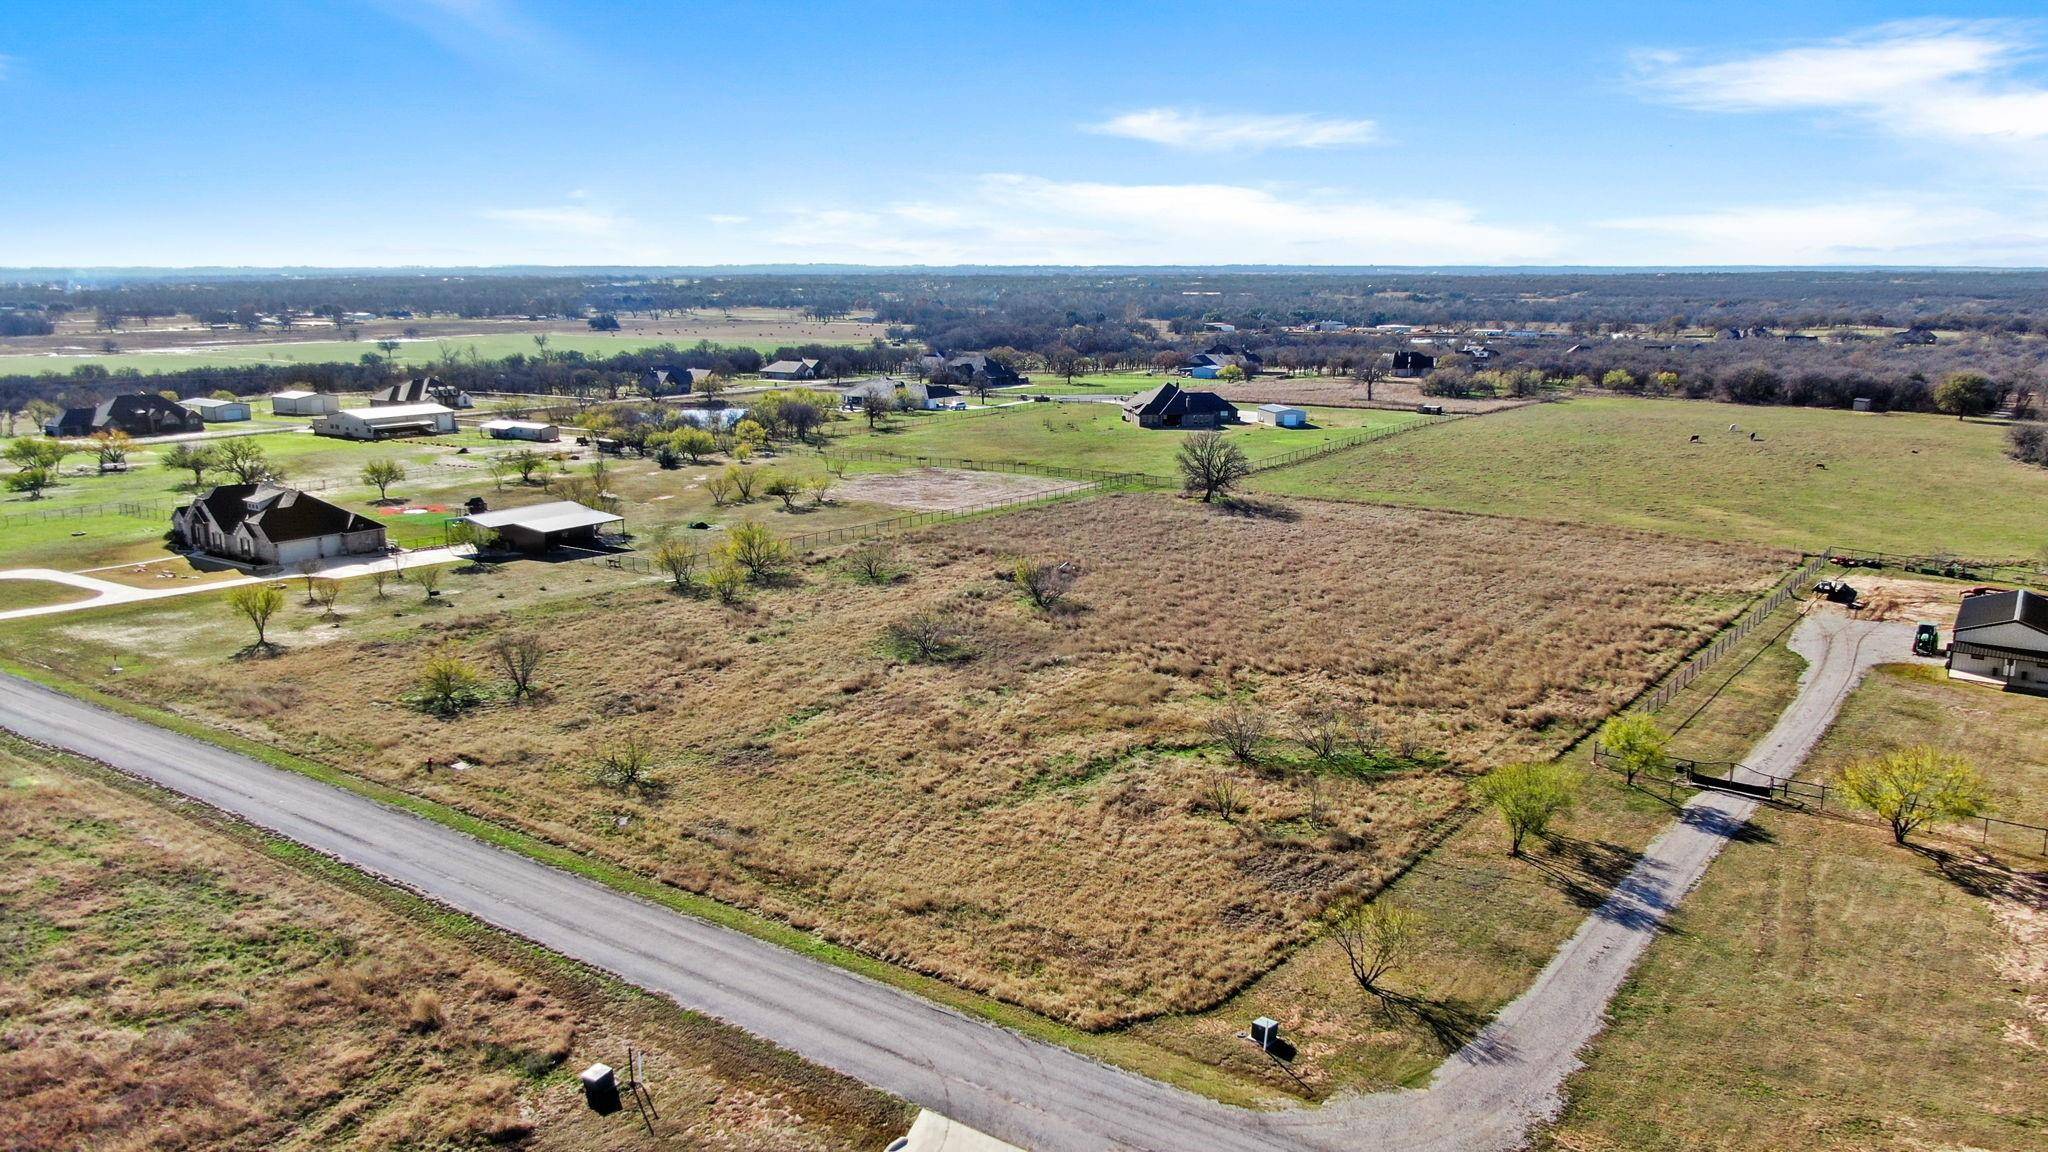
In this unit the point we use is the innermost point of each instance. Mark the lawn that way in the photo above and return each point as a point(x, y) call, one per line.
point(989, 819)
point(1894, 483)
point(1086, 435)
point(171, 980)
point(36, 594)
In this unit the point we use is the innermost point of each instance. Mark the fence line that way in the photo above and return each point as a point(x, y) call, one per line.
point(1948, 565)
point(1022, 467)
point(1789, 792)
point(1331, 448)
point(1682, 677)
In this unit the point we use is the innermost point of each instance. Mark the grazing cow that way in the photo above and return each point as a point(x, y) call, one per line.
point(1695, 439)
point(1735, 427)
point(1752, 435)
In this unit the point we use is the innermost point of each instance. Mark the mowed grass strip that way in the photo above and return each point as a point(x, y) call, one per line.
point(259, 996)
point(1089, 434)
point(989, 821)
point(1812, 479)
point(37, 594)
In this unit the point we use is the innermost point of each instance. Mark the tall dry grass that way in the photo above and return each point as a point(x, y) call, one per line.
point(1031, 821)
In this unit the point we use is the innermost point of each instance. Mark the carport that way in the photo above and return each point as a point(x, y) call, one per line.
point(541, 527)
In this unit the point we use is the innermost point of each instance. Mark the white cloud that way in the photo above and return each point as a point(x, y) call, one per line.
point(1207, 132)
point(569, 219)
point(1954, 80)
point(1873, 230)
point(726, 219)
point(1016, 219)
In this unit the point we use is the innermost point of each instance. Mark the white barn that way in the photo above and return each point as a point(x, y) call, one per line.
point(519, 430)
point(2002, 638)
point(384, 423)
point(216, 411)
point(1282, 416)
point(302, 403)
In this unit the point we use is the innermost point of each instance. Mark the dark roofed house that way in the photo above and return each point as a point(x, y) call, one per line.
point(2002, 638)
point(1172, 406)
point(1221, 356)
point(426, 390)
point(1917, 334)
point(273, 526)
point(1413, 363)
point(663, 381)
point(899, 393)
point(139, 414)
point(792, 370)
point(973, 370)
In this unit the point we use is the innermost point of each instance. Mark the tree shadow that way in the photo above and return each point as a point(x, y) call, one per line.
point(1737, 829)
point(1253, 509)
point(1986, 877)
point(1586, 871)
point(262, 650)
point(1451, 1025)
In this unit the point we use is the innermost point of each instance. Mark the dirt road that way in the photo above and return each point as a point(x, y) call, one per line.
point(1032, 1094)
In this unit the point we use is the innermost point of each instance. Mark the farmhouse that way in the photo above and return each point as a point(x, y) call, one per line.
point(520, 430)
point(139, 414)
point(383, 423)
point(270, 525)
point(695, 379)
point(1915, 335)
point(664, 381)
point(216, 411)
point(1221, 356)
point(899, 393)
point(541, 527)
point(300, 403)
point(1413, 363)
point(1282, 416)
point(1171, 406)
point(973, 370)
point(427, 390)
point(791, 370)
point(2002, 638)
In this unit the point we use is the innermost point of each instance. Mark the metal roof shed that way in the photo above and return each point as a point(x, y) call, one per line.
point(539, 527)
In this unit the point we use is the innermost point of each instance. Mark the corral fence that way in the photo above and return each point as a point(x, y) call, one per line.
point(1682, 677)
point(131, 508)
point(1946, 564)
point(874, 529)
point(1815, 796)
point(1332, 447)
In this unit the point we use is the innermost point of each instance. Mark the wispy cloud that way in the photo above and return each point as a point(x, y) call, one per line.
point(726, 219)
point(1237, 132)
point(1949, 79)
point(568, 219)
point(1879, 229)
point(492, 33)
point(1021, 219)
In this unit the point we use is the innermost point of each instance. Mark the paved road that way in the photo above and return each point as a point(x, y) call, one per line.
point(1035, 1095)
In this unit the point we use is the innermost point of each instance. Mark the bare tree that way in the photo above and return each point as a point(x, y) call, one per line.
point(873, 562)
point(326, 593)
point(1240, 728)
point(519, 654)
point(1212, 464)
point(1045, 585)
point(925, 638)
point(1376, 938)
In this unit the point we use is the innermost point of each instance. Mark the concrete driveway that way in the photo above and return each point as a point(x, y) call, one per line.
point(108, 592)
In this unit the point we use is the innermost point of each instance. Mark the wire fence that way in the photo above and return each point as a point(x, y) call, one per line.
point(1816, 795)
point(1946, 564)
point(1682, 677)
point(132, 508)
point(1332, 447)
point(1021, 467)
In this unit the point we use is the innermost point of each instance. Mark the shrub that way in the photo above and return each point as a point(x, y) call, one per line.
point(756, 551)
point(447, 685)
point(1241, 728)
point(1045, 585)
point(925, 638)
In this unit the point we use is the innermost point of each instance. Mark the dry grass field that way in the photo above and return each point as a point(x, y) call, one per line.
point(166, 984)
point(992, 820)
point(1344, 392)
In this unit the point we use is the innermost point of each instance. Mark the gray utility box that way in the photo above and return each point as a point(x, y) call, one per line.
point(601, 1089)
point(1265, 1032)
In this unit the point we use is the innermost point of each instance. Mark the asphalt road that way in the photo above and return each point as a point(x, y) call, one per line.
point(1032, 1094)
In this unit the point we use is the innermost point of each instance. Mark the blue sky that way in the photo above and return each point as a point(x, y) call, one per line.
point(519, 131)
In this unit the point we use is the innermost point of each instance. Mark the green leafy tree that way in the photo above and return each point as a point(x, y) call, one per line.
point(447, 684)
point(381, 475)
point(198, 459)
point(1376, 939)
point(1637, 743)
point(679, 560)
point(1528, 797)
point(1910, 787)
point(258, 603)
point(1965, 394)
point(756, 551)
point(37, 464)
point(244, 459)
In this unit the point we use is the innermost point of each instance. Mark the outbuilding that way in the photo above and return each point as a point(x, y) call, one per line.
point(216, 411)
point(302, 403)
point(541, 527)
point(2002, 638)
point(387, 422)
point(520, 430)
point(1282, 416)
